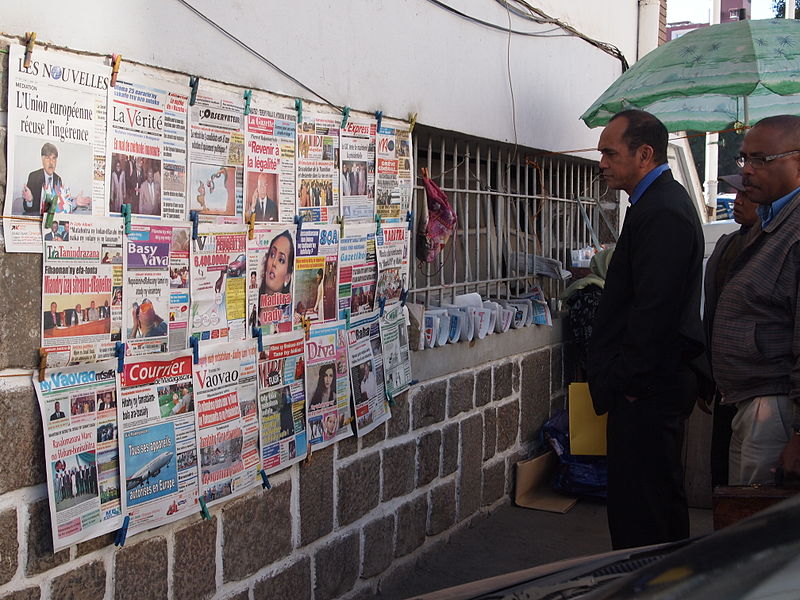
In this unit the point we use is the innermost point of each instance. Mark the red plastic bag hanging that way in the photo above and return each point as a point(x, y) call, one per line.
point(441, 222)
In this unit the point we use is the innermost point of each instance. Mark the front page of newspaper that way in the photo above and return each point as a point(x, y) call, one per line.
point(327, 385)
point(358, 270)
point(316, 273)
point(270, 281)
point(396, 357)
point(227, 419)
point(394, 184)
point(82, 289)
point(56, 141)
point(79, 418)
point(216, 154)
point(393, 247)
point(357, 156)
point(218, 279)
point(269, 181)
point(156, 280)
point(158, 441)
point(365, 356)
point(146, 150)
point(318, 168)
point(282, 399)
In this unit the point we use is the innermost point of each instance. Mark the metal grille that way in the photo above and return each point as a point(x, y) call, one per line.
point(513, 204)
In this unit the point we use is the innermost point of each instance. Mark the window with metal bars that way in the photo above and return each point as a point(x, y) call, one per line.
point(514, 205)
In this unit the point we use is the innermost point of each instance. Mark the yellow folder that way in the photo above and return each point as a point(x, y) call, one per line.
point(587, 431)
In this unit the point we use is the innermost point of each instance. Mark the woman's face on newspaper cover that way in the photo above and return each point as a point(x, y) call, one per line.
point(276, 267)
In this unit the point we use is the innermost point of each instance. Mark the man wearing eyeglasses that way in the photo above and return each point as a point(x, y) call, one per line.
point(756, 334)
point(646, 332)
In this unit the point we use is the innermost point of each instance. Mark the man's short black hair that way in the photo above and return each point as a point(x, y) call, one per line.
point(643, 128)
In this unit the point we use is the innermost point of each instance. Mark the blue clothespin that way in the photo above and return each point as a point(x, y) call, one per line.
point(122, 532)
point(298, 220)
point(298, 106)
point(247, 95)
point(264, 481)
point(195, 344)
point(413, 382)
point(204, 509)
point(194, 81)
point(257, 334)
point(410, 219)
point(403, 297)
point(194, 216)
point(125, 210)
point(378, 221)
point(345, 116)
point(382, 304)
point(51, 210)
point(379, 118)
point(119, 352)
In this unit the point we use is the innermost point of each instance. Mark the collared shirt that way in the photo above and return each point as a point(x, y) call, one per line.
point(648, 179)
point(768, 212)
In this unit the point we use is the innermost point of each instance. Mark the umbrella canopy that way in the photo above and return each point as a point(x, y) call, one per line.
point(710, 78)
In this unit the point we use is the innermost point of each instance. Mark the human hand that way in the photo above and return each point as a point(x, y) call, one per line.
point(790, 457)
point(704, 404)
point(27, 195)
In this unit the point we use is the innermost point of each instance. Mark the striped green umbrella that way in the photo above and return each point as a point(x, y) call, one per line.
point(711, 78)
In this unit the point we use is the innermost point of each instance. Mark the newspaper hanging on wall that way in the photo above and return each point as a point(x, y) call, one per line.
point(56, 141)
point(358, 270)
point(327, 385)
point(282, 399)
point(357, 156)
point(156, 280)
point(158, 442)
point(318, 168)
point(394, 183)
point(79, 418)
point(269, 174)
point(227, 419)
point(316, 273)
point(146, 150)
point(81, 289)
point(396, 357)
point(393, 248)
point(216, 155)
point(217, 279)
point(270, 280)
point(365, 356)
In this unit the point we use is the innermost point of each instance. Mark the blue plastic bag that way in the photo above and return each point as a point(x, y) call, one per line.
point(585, 476)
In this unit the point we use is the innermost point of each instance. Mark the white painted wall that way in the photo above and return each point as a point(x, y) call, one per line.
point(401, 56)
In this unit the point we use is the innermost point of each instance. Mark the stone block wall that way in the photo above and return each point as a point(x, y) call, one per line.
point(336, 526)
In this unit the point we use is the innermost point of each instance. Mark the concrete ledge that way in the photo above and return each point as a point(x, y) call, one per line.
point(437, 362)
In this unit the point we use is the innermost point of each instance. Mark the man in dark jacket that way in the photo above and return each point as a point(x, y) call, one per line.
point(646, 332)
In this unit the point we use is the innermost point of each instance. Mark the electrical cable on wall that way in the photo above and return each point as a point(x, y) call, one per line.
point(258, 55)
point(541, 18)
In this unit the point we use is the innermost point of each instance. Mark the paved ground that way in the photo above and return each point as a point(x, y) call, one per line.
point(510, 539)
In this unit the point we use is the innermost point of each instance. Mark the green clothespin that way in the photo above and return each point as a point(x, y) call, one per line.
point(389, 398)
point(298, 106)
point(247, 95)
point(345, 116)
point(51, 201)
point(204, 509)
point(347, 317)
point(125, 209)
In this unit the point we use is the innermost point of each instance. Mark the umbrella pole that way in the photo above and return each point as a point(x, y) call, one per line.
point(746, 111)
